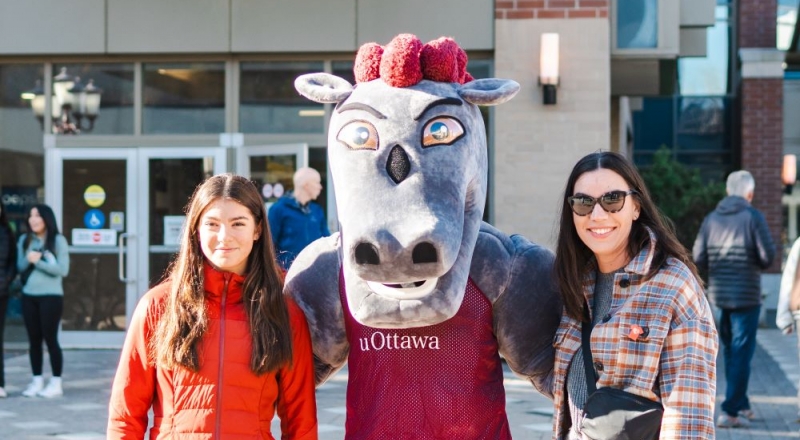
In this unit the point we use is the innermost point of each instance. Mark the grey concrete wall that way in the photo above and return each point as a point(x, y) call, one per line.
point(468, 21)
point(168, 26)
point(535, 145)
point(239, 26)
point(52, 26)
point(296, 26)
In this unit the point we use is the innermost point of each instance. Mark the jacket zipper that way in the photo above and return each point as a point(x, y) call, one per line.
point(217, 428)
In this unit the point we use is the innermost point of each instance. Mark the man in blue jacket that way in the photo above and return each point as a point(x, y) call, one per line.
point(295, 220)
point(733, 246)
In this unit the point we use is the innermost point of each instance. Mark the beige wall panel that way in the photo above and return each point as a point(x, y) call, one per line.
point(168, 26)
point(536, 146)
point(634, 77)
point(697, 12)
point(52, 26)
point(694, 42)
point(296, 26)
point(469, 22)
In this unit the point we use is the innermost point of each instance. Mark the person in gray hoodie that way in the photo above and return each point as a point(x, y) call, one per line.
point(732, 247)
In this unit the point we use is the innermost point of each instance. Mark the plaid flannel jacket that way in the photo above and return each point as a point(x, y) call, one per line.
point(658, 341)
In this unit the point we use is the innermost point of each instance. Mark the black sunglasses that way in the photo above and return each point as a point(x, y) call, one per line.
point(612, 201)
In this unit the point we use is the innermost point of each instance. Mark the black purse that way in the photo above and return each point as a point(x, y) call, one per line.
point(611, 413)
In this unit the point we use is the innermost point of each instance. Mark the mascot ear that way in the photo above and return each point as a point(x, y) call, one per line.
point(323, 87)
point(488, 91)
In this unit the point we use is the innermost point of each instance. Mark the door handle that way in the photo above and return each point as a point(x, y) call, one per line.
point(121, 248)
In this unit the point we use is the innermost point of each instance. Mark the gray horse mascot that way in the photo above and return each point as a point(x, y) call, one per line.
point(415, 293)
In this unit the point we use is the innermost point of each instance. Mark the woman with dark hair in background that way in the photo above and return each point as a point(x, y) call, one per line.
point(217, 349)
point(43, 262)
point(8, 269)
point(621, 270)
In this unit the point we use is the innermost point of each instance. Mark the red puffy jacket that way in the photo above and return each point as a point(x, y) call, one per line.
point(224, 400)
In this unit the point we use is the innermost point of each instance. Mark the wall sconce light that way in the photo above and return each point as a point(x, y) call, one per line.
point(548, 67)
point(789, 172)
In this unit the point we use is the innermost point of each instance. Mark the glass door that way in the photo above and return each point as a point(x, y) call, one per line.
point(272, 167)
point(93, 194)
point(121, 210)
point(169, 177)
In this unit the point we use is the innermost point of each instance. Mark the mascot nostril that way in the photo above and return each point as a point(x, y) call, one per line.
point(367, 254)
point(424, 253)
point(398, 166)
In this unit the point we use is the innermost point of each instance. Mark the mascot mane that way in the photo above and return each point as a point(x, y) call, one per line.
point(405, 61)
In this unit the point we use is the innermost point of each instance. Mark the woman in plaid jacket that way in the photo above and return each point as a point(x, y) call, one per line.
point(653, 331)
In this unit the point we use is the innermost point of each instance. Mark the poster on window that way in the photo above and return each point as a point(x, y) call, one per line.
point(173, 224)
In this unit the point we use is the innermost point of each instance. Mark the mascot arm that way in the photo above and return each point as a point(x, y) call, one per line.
point(313, 282)
point(516, 275)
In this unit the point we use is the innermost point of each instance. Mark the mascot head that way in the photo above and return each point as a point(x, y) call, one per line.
point(407, 152)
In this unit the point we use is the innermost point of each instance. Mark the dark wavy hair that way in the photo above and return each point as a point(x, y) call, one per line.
point(51, 228)
point(573, 257)
point(185, 320)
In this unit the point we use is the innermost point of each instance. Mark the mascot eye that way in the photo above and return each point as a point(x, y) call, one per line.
point(441, 131)
point(359, 135)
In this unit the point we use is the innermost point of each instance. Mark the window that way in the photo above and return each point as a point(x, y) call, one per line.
point(646, 28)
point(21, 150)
point(710, 75)
point(698, 130)
point(183, 98)
point(115, 86)
point(269, 102)
point(787, 18)
point(637, 24)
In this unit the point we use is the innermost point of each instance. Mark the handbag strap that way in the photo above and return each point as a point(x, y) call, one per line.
point(586, 345)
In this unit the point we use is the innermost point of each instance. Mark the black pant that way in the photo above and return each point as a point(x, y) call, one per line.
point(42, 316)
point(3, 309)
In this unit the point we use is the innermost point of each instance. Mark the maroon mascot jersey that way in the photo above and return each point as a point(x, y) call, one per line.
point(442, 382)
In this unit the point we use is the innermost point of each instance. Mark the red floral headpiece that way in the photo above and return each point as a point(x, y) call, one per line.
point(405, 61)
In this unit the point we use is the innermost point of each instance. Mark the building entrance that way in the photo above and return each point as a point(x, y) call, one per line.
point(121, 210)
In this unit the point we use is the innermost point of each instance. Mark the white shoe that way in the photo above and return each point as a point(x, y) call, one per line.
point(36, 385)
point(3, 393)
point(53, 389)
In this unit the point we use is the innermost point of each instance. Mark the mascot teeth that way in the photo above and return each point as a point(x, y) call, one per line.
point(413, 290)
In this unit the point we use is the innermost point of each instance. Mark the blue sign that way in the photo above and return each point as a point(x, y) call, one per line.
point(94, 219)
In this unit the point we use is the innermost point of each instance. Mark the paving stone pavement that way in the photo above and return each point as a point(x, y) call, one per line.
point(81, 413)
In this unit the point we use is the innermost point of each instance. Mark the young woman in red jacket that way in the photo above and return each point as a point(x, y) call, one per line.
point(216, 349)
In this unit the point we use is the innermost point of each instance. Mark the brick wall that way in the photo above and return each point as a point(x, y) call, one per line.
point(515, 9)
point(757, 22)
point(762, 149)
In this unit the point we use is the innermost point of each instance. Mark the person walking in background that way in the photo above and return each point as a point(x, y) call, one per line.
point(621, 270)
point(217, 348)
point(295, 219)
point(8, 270)
point(732, 247)
point(788, 313)
point(43, 262)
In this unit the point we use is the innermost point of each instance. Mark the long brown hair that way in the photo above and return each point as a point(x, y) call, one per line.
point(185, 321)
point(573, 256)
